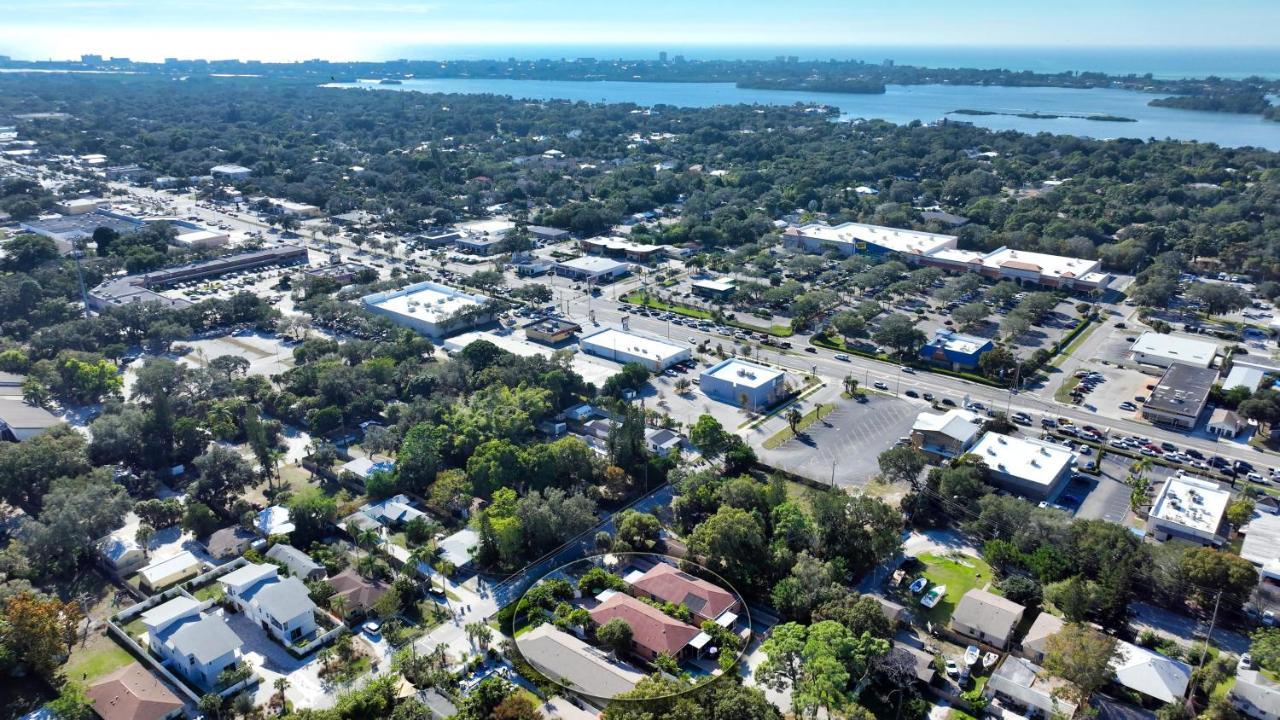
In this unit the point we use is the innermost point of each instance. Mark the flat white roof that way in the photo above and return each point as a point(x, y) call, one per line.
point(593, 264)
point(1047, 265)
point(619, 341)
point(82, 202)
point(1029, 459)
point(1240, 375)
point(492, 226)
point(196, 236)
point(1191, 503)
point(1172, 347)
point(426, 301)
point(716, 285)
point(896, 239)
point(621, 244)
point(741, 372)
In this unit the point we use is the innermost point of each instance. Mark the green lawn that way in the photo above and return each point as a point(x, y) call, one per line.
point(960, 573)
point(1063, 393)
point(639, 298)
point(212, 591)
point(99, 657)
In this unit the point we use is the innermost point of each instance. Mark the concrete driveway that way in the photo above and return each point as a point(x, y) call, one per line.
point(1183, 628)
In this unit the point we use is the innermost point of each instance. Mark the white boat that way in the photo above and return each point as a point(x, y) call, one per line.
point(989, 660)
point(919, 585)
point(934, 595)
point(971, 654)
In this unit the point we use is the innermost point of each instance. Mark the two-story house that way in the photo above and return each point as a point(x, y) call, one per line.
point(281, 606)
point(192, 644)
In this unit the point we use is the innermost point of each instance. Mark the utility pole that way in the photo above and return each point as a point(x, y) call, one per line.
point(1213, 619)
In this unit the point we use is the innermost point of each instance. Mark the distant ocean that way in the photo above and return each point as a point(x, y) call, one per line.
point(1160, 62)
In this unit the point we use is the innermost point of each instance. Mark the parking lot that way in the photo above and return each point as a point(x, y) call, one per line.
point(846, 442)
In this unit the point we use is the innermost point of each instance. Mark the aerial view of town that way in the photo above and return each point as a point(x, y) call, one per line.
point(590, 380)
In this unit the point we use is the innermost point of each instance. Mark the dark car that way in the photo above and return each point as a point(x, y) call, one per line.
point(811, 349)
point(948, 402)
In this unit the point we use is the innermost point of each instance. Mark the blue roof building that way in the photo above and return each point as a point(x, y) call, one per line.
point(955, 350)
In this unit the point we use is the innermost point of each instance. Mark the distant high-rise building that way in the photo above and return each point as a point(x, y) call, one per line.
point(90, 59)
point(679, 58)
point(662, 56)
point(793, 58)
point(780, 58)
point(887, 62)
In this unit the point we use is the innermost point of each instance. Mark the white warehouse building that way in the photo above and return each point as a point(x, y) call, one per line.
point(1160, 350)
point(624, 347)
point(739, 382)
point(1033, 468)
point(430, 308)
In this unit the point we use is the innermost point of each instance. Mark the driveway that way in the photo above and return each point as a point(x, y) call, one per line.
point(846, 442)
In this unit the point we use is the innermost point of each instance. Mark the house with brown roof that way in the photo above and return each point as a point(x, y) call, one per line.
point(360, 593)
point(229, 542)
point(652, 631)
point(669, 583)
point(132, 693)
point(986, 617)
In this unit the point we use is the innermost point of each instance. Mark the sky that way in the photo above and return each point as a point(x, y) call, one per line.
point(282, 30)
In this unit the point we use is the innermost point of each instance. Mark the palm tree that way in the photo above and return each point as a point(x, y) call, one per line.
point(850, 385)
point(281, 684)
point(368, 539)
point(793, 419)
point(144, 536)
point(338, 604)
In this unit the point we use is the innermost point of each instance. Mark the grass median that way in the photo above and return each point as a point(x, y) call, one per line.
point(809, 418)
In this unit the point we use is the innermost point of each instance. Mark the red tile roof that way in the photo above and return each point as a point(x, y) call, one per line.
point(132, 693)
point(650, 627)
point(667, 582)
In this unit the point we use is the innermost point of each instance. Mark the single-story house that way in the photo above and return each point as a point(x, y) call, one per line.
point(986, 617)
point(132, 693)
point(652, 631)
point(1151, 673)
point(364, 467)
point(923, 661)
point(19, 421)
point(297, 562)
point(459, 548)
point(893, 612)
point(273, 521)
point(1024, 684)
point(163, 573)
point(1255, 696)
point(393, 511)
point(575, 664)
point(120, 555)
point(669, 583)
point(359, 593)
point(1033, 643)
point(662, 442)
point(229, 542)
point(1225, 423)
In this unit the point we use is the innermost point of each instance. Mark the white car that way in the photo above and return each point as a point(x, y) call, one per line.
point(842, 357)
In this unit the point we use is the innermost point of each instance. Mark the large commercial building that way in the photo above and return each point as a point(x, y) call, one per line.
point(713, 289)
point(743, 383)
point(575, 664)
point(66, 230)
point(430, 308)
point(1162, 350)
point(80, 206)
point(1191, 509)
point(955, 350)
point(624, 347)
point(1029, 467)
point(143, 288)
point(1181, 396)
point(592, 269)
point(942, 251)
point(230, 172)
point(618, 247)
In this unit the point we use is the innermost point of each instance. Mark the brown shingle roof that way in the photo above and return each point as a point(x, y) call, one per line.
point(667, 582)
point(361, 593)
point(650, 627)
point(132, 693)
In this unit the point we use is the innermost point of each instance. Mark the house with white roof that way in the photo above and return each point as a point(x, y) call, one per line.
point(298, 563)
point(393, 511)
point(986, 617)
point(1255, 696)
point(282, 606)
point(169, 571)
point(1030, 467)
point(1189, 508)
point(195, 645)
point(1151, 673)
point(946, 435)
point(1028, 685)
